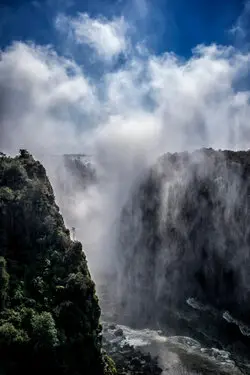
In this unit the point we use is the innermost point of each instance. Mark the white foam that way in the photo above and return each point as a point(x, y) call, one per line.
point(244, 329)
point(143, 337)
point(197, 305)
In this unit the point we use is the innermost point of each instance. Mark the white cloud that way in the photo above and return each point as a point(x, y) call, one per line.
point(240, 29)
point(156, 100)
point(106, 38)
point(129, 117)
point(40, 93)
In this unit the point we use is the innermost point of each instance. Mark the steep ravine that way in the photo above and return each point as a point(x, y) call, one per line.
point(49, 310)
point(181, 290)
point(181, 258)
point(184, 264)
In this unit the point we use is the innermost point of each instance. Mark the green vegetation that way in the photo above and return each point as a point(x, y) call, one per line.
point(49, 312)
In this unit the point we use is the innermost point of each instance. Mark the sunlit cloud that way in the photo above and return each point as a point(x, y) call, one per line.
point(107, 38)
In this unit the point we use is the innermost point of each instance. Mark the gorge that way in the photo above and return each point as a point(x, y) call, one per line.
point(179, 246)
point(124, 235)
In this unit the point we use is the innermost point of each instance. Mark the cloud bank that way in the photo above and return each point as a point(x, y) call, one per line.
point(147, 105)
point(49, 104)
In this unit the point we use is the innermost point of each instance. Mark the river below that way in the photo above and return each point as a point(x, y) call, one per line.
point(177, 354)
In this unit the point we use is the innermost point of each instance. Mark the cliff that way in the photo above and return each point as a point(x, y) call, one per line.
point(49, 312)
point(185, 237)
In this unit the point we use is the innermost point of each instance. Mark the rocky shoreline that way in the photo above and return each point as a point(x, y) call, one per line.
point(128, 359)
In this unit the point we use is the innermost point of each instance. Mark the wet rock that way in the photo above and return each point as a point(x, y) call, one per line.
point(129, 360)
point(136, 362)
point(118, 332)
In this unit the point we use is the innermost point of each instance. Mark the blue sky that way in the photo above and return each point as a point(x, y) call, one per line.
point(175, 25)
point(145, 75)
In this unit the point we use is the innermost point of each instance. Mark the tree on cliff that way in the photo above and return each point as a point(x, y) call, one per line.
point(49, 312)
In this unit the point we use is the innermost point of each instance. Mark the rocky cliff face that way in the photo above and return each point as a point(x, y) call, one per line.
point(49, 312)
point(185, 234)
